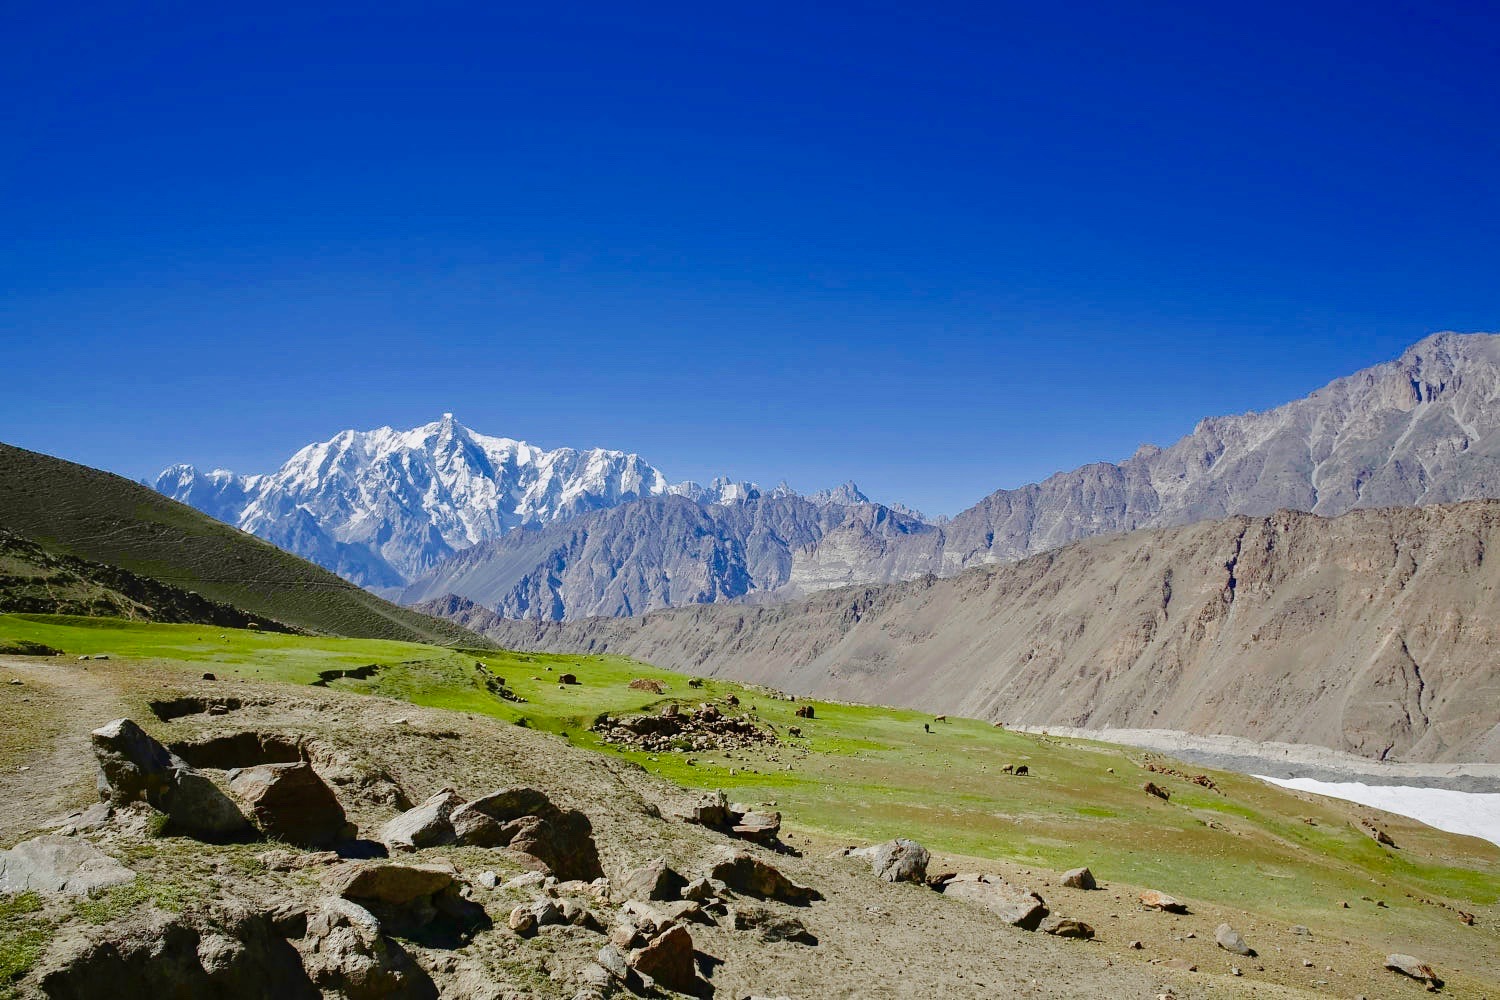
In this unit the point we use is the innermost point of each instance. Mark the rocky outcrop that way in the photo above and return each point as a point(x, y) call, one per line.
point(234, 954)
point(744, 872)
point(134, 767)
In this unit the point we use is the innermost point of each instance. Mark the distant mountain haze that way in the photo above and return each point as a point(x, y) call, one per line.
point(433, 511)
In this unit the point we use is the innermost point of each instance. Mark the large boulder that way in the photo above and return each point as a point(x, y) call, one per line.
point(231, 954)
point(1017, 907)
point(761, 827)
point(55, 865)
point(346, 953)
point(744, 872)
point(427, 825)
point(559, 840)
point(668, 959)
point(898, 860)
point(655, 880)
point(291, 803)
point(133, 766)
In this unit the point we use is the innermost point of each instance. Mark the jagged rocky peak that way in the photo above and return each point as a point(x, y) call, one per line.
point(846, 494)
point(381, 506)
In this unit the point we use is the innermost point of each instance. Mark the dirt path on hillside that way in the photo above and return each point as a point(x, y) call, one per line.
point(55, 707)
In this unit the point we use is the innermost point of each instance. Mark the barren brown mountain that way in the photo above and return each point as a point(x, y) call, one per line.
point(1373, 632)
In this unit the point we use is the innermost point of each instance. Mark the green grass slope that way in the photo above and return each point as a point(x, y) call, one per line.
point(100, 517)
point(863, 773)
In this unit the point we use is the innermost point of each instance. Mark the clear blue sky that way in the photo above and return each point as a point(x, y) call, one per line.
point(938, 249)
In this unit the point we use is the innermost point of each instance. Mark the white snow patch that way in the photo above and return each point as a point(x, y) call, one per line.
point(1475, 814)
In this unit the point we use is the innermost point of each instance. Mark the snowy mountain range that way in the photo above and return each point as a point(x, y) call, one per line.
point(433, 511)
point(385, 506)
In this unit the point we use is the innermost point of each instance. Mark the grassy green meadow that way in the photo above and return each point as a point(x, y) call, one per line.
point(865, 773)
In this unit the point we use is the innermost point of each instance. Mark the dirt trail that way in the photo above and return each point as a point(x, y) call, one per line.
point(60, 703)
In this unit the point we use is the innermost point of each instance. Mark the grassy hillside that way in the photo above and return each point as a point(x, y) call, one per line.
point(82, 512)
point(864, 773)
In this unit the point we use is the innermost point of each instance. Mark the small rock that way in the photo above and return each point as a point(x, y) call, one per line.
point(1079, 878)
point(426, 825)
point(1151, 899)
point(1067, 927)
point(1414, 968)
point(668, 960)
point(489, 879)
point(1231, 941)
point(1152, 788)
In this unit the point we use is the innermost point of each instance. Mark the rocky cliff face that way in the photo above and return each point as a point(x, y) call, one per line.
point(1373, 632)
point(1422, 429)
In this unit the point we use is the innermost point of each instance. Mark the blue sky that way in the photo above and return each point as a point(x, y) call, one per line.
point(936, 250)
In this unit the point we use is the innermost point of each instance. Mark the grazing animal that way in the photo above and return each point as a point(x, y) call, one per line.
point(940, 718)
point(1022, 769)
point(1008, 769)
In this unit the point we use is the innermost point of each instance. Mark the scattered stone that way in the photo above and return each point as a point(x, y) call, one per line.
point(648, 684)
point(704, 889)
point(743, 872)
point(56, 865)
point(655, 880)
point(1152, 788)
point(489, 880)
point(1154, 900)
point(1232, 941)
point(1300, 930)
point(1376, 833)
point(1181, 965)
point(1136, 946)
point(1414, 968)
point(291, 803)
point(1015, 906)
point(526, 880)
point(1066, 927)
point(1079, 878)
point(898, 860)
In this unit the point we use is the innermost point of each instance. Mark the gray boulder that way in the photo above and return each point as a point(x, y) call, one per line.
point(898, 860)
point(427, 825)
point(1414, 968)
point(1231, 941)
point(346, 953)
point(133, 766)
point(1017, 907)
point(229, 954)
point(54, 865)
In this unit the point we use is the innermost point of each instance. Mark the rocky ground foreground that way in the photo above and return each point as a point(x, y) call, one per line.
point(246, 839)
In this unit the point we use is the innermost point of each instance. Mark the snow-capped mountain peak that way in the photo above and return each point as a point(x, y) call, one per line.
point(383, 505)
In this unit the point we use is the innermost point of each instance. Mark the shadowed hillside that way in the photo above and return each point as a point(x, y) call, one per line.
point(73, 510)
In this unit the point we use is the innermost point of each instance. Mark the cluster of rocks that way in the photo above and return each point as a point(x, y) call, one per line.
point(495, 684)
point(524, 821)
point(672, 729)
point(713, 809)
point(650, 944)
point(1197, 779)
point(903, 860)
